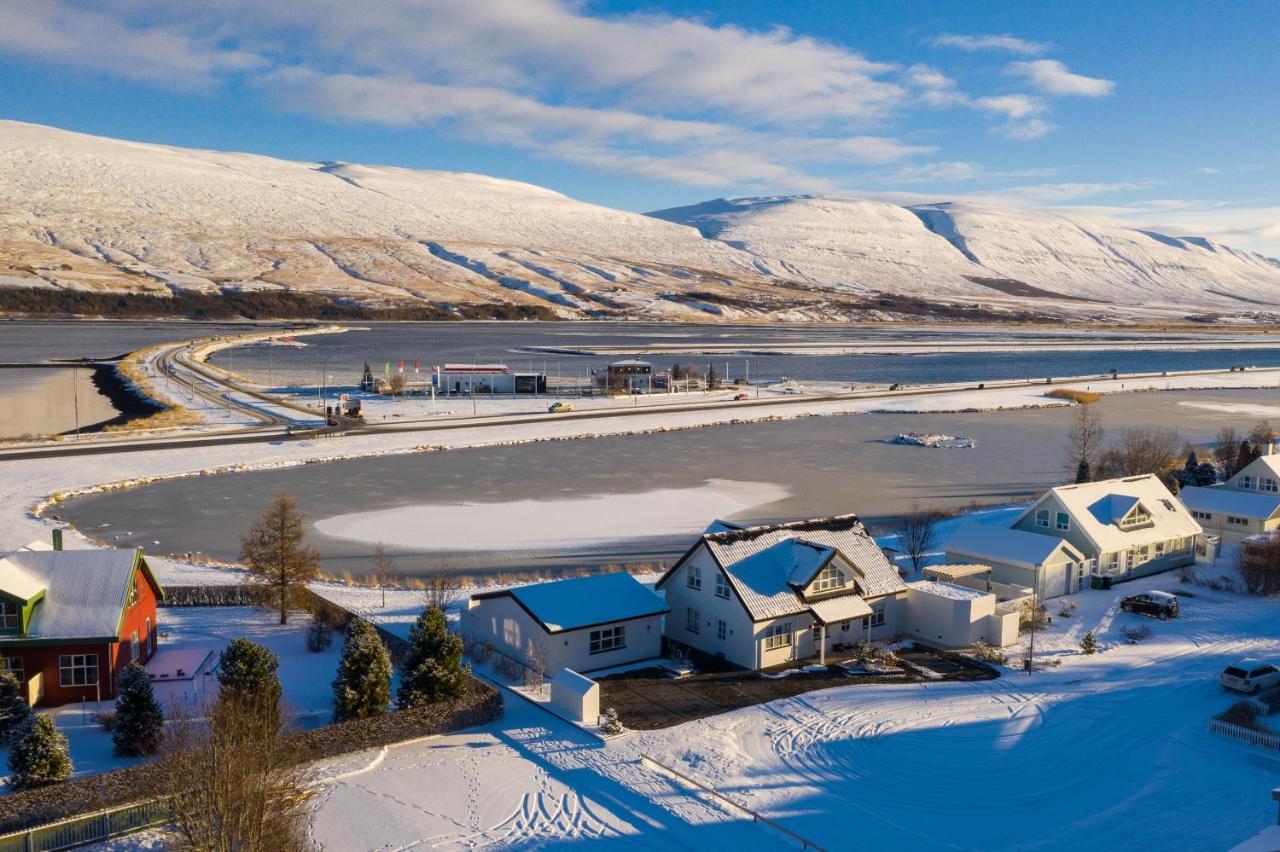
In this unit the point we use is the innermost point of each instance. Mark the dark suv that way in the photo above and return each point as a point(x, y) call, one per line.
point(1155, 604)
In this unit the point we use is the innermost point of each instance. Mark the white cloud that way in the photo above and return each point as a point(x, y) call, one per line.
point(1207, 170)
point(934, 88)
point(973, 43)
point(1012, 106)
point(1057, 192)
point(959, 171)
point(1052, 77)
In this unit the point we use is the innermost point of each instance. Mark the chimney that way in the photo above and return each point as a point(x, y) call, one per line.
point(57, 538)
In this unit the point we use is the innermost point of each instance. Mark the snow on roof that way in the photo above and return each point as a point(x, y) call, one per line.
point(843, 608)
point(1003, 544)
point(1249, 504)
point(85, 592)
point(586, 601)
point(1169, 518)
point(578, 684)
point(766, 563)
point(17, 581)
point(475, 368)
point(630, 362)
point(950, 591)
point(1113, 508)
point(955, 570)
point(1268, 464)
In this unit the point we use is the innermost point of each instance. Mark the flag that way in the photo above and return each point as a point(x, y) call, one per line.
point(400, 366)
point(387, 369)
point(415, 368)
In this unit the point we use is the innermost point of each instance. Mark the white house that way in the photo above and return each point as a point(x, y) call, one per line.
point(1246, 504)
point(584, 623)
point(1120, 528)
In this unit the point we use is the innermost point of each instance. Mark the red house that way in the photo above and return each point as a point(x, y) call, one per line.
point(70, 620)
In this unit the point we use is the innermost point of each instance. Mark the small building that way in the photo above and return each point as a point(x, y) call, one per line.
point(467, 379)
point(1045, 563)
point(71, 620)
point(956, 616)
point(629, 375)
point(766, 595)
point(1247, 504)
point(583, 623)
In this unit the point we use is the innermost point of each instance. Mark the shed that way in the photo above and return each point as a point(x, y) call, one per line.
point(576, 696)
point(956, 617)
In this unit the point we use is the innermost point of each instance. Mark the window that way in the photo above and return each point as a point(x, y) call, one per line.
point(722, 586)
point(151, 639)
point(1266, 483)
point(1159, 548)
point(1042, 518)
point(1113, 559)
point(722, 630)
point(78, 670)
point(1064, 521)
point(135, 647)
point(1239, 522)
point(132, 597)
point(693, 577)
point(829, 578)
point(608, 639)
point(876, 618)
point(10, 617)
point(1201, 516)
point(844, 627)
point(1137, 518)
point(692, 620)
point(777, 635)
point(1246, 482)
point(14, 664)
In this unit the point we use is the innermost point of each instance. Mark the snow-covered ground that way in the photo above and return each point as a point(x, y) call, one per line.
point(1074, 756)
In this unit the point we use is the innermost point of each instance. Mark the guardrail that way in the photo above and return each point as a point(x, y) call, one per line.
point(90, 828)
point(804, 842)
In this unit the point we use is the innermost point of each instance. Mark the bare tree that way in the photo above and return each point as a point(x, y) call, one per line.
point(234, 776)
point(535, 673)
point(1224, 452)
point(441, 589)
point(1262, 435)
point(395, 384)
point(275, 551)
point(1084, 442)
point(1141, 451)
point(384, 570)
point(916, 533)
point(1259, 563)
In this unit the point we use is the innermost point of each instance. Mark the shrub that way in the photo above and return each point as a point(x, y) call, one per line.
point(1134, 635)
point(363, 685)
point(1089, 644)
point(989, 653)
point(1079, 396)
point(610, 723)
point(1243, 713)
point(478, 650)
point(1033, 616)
point(319, 631)
point(139, 724)
point(40, 757)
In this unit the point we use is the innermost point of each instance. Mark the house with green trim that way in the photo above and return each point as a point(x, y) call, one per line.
point(71, 620)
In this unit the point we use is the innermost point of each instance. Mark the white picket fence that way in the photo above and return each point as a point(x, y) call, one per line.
point(1266, 739)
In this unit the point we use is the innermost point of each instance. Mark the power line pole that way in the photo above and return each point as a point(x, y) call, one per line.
point(75, 397)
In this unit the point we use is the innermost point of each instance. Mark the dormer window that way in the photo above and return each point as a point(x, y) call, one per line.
point(1139, 517)
point(10, 616)
point(1042, 518)
point(829, 579)
point(1246, 482)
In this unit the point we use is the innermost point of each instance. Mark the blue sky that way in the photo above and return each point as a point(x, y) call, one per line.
point(1162, 114)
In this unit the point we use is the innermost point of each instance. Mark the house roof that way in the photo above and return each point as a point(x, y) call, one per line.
point(1113, 508)
point(17, 581)
point(1169, 518)
point(85, 592)
point(950, 591)
point(580, 602)
point(1262, 465)
point(1003, 544)
point(767, 564)
point(1249, 504)
point(843, 608)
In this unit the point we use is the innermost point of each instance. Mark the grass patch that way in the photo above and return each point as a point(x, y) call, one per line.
point(169, 418)
point(1082, 397)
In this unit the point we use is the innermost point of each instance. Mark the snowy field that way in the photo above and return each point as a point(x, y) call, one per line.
point(1071, 757)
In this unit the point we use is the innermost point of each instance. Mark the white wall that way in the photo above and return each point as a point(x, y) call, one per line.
point(956, 622)
point(576, 696)
point(738, 646)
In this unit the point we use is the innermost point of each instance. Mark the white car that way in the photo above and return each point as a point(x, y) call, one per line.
point(1250, 676)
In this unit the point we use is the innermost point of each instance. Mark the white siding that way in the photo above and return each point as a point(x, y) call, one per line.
point(737, 646)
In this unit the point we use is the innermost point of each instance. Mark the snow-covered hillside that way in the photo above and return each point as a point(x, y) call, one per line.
point(86, 212)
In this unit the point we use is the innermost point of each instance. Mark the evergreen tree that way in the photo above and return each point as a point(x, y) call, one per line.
point(1089, 644)
point(363, 685)
point(40, 757)
point(1206, 474)
point(247, 673)
point(713, 378)
point(139, 723)
point(1244, 456)
point(1082, 471)
point(432, 669)
point(14, 711)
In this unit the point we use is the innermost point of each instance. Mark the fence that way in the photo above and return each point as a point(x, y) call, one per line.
point(725, 800)
point(1253, 736)
point(90, 828)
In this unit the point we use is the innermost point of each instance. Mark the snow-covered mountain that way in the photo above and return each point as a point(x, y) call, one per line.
point(86, 212)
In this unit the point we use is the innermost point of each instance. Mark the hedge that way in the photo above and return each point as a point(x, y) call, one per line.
point(30, 808)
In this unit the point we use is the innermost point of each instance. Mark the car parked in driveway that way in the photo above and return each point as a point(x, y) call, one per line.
point(1154, 604)
point(1250, 676)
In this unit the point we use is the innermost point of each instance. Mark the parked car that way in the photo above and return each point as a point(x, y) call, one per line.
point(559, 407)
point(739, 397)
point(1250, 676)
point(1154, 604)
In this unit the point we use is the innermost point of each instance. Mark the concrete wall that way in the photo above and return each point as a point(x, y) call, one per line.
point(504, 623)
point(957, 622)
